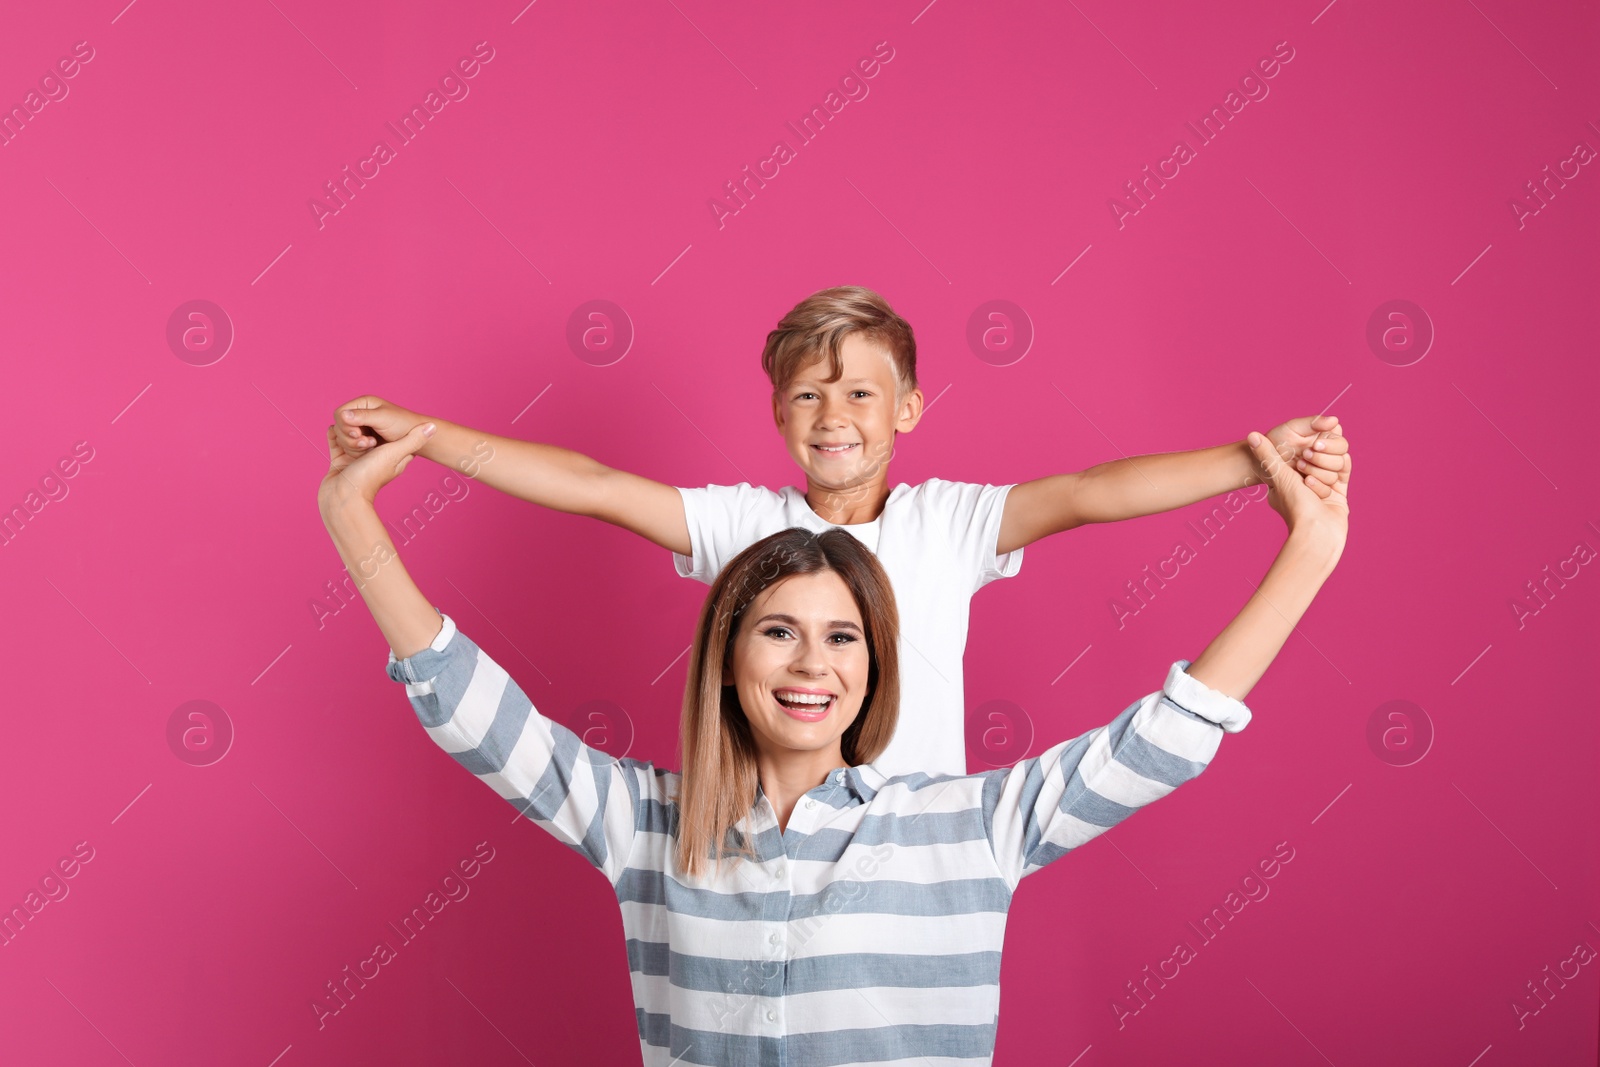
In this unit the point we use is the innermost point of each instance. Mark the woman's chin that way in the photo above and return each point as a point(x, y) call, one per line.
point(803, 736)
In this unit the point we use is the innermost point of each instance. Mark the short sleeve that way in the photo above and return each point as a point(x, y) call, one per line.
point(722, 520)
point(473, 710)
point(1042, 808)
point(973, 513)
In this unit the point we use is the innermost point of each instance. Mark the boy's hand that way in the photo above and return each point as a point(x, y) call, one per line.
point(1305, 510)
point(1314, 446)
point(356, 479)
point(362, 424)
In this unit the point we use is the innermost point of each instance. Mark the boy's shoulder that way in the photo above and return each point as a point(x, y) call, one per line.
point(933, 485)
point(944, 493)
point(740, 495)
point(738, 489)
point(942, 496)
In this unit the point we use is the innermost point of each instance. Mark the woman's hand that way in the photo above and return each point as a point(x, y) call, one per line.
point(1323, 519)
point(352, 478)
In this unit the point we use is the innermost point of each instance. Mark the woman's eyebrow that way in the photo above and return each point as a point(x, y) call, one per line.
point(844, 624)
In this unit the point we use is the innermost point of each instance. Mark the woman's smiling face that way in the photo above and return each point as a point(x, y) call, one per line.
point(800, 663)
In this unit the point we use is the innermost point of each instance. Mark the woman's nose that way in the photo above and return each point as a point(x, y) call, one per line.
point(808, 660)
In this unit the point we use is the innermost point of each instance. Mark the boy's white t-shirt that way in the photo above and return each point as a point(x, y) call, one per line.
point(936, 541)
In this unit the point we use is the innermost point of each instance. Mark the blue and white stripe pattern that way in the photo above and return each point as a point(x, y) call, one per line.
point(868, 932)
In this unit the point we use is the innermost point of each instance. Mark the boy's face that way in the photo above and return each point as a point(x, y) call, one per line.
point(858, 416)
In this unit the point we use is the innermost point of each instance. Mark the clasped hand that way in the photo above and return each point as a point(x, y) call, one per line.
point(1305, 464)
point(358, 477)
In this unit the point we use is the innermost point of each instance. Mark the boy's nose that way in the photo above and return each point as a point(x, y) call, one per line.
point(829, 415)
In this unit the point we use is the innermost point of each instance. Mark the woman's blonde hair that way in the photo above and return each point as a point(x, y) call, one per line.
point(817, 326)
point(717, 785)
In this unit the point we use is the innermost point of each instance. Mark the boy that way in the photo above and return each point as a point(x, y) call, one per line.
point(843, 372)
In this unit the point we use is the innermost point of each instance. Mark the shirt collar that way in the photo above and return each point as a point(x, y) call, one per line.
point(862, 782)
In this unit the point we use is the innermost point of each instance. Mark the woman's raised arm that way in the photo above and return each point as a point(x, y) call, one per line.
point(346, 500)
point(1237, 657)
point(466, 701)
point(1043, 807)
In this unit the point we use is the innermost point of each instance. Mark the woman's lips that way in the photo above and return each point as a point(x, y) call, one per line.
point(807, 713)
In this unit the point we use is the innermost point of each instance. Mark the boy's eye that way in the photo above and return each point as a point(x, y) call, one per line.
point(862, 392)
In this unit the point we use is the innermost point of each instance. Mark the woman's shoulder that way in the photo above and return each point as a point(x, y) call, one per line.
point(653, 781)
point(919, 790)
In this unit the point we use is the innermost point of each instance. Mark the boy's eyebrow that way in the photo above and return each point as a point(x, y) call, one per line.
point(850, 381)
point(843, 624)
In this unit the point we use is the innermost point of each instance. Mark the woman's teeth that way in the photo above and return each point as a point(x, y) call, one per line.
point(810, 707)
point(805, 699)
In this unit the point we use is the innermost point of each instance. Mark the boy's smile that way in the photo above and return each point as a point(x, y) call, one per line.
point(842, 432)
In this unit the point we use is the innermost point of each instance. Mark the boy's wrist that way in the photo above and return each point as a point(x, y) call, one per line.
point(445, 446)
point(417, 419)
point(1247, 461)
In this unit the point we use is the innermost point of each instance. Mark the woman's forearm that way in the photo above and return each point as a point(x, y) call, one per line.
point(1238, 656)
point(409, 623)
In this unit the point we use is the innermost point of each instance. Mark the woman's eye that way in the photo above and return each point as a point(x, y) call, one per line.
point(775, 630)
point(847, 637)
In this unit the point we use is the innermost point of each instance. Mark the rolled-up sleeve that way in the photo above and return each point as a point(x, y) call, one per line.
point(1041, 808)
point(475, 711)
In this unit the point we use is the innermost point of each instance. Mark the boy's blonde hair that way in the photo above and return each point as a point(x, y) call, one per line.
point(815, 328)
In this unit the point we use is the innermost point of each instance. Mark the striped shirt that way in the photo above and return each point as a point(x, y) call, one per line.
point(867, 932)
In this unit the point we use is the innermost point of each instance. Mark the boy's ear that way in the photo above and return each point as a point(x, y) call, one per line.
point(910, 412)
point(777, 410)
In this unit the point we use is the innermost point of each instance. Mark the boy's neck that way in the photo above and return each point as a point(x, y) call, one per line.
point(847, 507)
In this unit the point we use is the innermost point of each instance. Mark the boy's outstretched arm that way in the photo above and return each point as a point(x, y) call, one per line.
point(547, 475)
point(1145, 485)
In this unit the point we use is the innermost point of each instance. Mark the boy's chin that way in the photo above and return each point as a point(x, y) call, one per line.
point(841, 477)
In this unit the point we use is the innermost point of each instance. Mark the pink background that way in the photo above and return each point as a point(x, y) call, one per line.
point(184, 558)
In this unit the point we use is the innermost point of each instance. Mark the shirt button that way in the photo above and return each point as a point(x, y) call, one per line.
point(779, 871)
point(811, 803)
point(775, 938)
point(772, 1016)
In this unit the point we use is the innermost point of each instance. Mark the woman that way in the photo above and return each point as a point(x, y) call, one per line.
point(783, 902)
